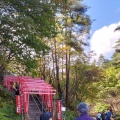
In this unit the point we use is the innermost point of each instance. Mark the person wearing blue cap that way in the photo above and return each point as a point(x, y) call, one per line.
point(83, 112)
point(46, 116)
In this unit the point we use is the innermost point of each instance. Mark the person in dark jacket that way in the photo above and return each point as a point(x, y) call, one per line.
point(109, 115)
point(83, 112)
point(103, 115)
point(16, 88)
point(46, 116)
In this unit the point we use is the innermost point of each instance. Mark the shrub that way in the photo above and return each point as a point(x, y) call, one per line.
point(68, 115)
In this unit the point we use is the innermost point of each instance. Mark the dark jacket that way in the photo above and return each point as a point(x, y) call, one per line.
point(84, 116)
point(46, 116)
point(109, 114)
point(103, 116)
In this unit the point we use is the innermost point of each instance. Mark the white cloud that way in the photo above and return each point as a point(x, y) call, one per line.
point(103, 40)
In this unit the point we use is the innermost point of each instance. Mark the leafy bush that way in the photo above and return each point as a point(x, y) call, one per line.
point(68, 115)
point(8, 112)
point(7, 106)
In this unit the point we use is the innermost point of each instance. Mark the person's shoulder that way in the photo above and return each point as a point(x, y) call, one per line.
point(46, 115)
point(89, 118)
point(85, 117)
point(76, 118)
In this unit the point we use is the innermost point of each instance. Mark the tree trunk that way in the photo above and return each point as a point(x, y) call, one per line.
point(67, 74)
point(57, 72)
point(2, 72)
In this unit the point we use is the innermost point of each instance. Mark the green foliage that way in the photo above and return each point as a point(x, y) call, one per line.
point(7, 106)
point(25, 30)
point(116, 55)
point(23, 25)
point(68, 115)
point(8, 112)
point(84, 82)
point(100, 106)
point(111, 78)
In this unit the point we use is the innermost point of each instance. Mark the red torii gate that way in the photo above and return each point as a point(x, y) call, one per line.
point(36, 86)
point(27, 86)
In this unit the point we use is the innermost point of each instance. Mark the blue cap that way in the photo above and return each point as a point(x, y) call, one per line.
point(83, 107)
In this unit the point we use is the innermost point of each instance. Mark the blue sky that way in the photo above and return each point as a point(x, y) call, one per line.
point(106, 14)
